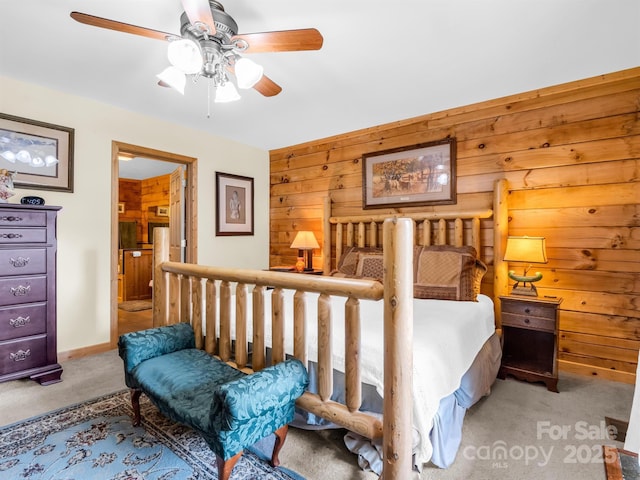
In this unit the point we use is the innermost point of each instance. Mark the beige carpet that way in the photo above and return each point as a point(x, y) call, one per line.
point(523, 417)
point(135, 305)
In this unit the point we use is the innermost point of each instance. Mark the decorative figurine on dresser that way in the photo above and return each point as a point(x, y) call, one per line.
point(28, 293)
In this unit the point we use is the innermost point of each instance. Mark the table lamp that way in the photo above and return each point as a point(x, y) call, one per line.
point(305, 242)
point(529, 250)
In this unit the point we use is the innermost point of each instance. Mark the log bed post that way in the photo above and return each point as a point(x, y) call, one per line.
point(398, 337)
point(326, 236)
point(500, 232)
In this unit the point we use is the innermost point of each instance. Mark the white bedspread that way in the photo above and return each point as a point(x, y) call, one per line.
point(447, 337)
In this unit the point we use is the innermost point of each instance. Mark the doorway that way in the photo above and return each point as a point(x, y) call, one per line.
point(188, 225)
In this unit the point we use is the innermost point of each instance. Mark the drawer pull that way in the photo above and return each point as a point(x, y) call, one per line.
point(20, 262)
point(11, 218)
point(11, 235)
point(20, 291)
point(526, 320)
point(19, 321)
point(527, 310)
point(20, 355)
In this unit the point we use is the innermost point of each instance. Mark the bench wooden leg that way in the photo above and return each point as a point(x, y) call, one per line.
point(135, 404)
point(225, 467)
point(281, 436)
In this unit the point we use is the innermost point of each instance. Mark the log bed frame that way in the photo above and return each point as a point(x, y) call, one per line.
point(189, 293)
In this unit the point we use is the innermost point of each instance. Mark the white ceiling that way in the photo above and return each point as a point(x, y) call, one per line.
point(381, 61)
point(139, 168)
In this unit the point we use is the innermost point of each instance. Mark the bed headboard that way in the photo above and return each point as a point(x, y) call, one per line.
point(456, 228)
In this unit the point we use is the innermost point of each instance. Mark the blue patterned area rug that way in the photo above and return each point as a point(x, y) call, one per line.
point(95, 439)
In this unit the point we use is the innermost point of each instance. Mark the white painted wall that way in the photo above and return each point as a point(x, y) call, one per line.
point(84, 222)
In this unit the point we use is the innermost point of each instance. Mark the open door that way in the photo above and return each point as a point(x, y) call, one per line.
point(178, 242)
point(183, 211)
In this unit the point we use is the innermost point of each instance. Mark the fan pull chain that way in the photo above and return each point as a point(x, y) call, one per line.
point(209, 99)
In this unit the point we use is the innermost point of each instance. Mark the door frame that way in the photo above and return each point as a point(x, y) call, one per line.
point(191, 213)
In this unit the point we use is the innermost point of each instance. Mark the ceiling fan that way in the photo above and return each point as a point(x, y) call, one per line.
point(209, 46)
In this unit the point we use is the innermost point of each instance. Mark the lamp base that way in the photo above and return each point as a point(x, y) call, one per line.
point(523, 289)
point(309, 260)
point(529, 291)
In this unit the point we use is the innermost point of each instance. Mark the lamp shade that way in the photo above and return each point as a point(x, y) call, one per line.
point(185, 55)
point(525, 249)
point(305, 241)
point(248, 73)
point(226, 93)
point(173, 78)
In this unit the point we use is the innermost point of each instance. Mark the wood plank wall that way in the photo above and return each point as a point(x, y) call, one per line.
point(141, 199)
point(571, 154)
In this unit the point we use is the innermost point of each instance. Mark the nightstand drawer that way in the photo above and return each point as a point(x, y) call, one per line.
point(529, 309)
point(528, 321)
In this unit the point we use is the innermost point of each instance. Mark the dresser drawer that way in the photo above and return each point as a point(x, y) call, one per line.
point(23, 235)
point(17, 218)
point(18, 290)
point(22, 321)
point(528, 321)
point(529, 309)
point(23, 261)
point(22, 354)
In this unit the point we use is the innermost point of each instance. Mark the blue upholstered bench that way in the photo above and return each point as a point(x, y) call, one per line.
point(228, 408)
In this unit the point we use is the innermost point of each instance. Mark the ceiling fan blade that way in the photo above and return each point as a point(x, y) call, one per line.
point(267, 87)
point(283, 41)
point(120, 27)
point(199, 12)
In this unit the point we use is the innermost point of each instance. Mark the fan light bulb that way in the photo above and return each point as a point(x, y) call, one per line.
point(185, 55)
point(174, 78)
point(248, 72)
point(226, 93)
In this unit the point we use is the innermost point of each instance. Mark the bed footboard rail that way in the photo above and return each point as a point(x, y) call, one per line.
point(215, 301)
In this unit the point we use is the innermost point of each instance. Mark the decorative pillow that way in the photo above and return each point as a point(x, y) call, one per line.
point(479, 271)
point(349, 259)
point(444, 272)
point(370, 265)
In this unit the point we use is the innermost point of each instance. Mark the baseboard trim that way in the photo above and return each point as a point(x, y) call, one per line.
point(84, 352)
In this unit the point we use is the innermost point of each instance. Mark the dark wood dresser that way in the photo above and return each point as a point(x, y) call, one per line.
point(28, 293)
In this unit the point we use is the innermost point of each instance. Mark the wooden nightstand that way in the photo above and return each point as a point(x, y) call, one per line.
point(530, 339)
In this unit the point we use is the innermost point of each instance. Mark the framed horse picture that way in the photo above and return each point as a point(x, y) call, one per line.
point(423, 174)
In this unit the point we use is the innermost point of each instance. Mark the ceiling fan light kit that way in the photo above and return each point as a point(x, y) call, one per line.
point(209, 46)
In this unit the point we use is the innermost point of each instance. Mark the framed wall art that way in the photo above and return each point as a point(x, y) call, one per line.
point(162, 211)
point(40, 153)
point(423, 174)
point(234, 204)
